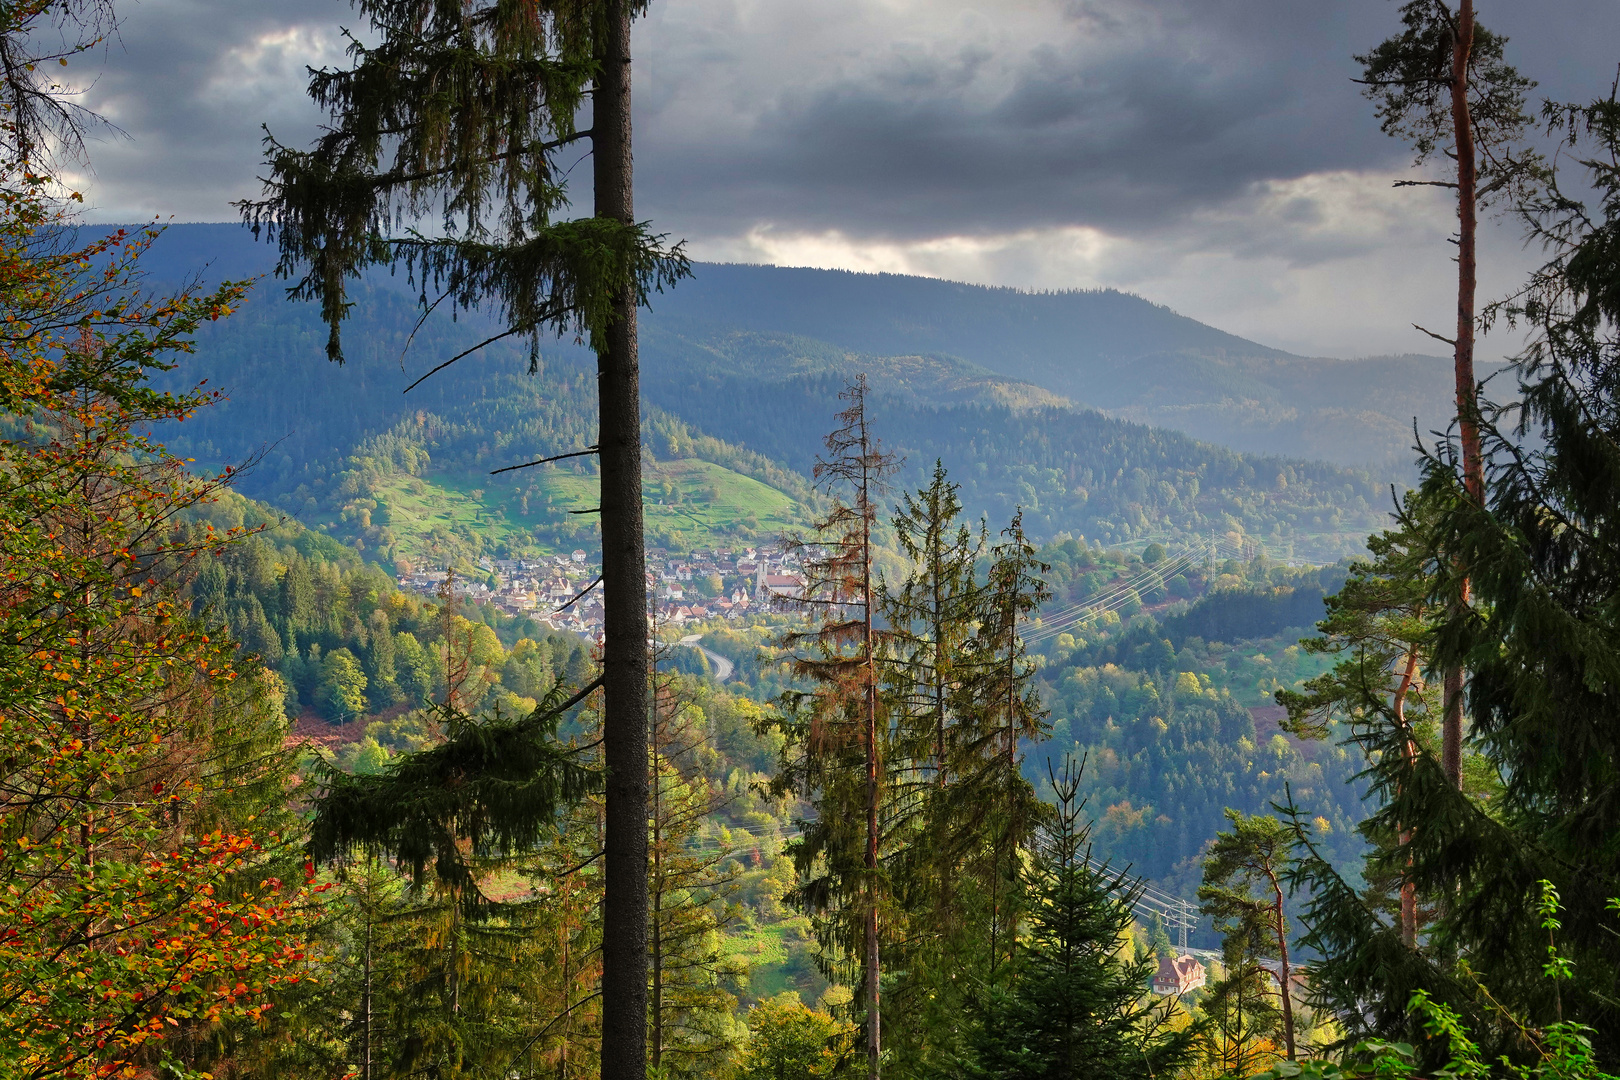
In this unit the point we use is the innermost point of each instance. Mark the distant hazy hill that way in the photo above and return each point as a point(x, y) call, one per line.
point(1108, 349)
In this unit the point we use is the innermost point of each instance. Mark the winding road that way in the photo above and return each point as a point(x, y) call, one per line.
point(722, 667)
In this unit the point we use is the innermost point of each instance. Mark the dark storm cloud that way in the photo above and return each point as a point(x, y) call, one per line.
point(1123, 130)
point(1140, 112)
point(882, 119)
point(191, 82)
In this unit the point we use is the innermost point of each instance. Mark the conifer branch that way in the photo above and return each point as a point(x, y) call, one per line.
point(521, 328)
point(1426, 183)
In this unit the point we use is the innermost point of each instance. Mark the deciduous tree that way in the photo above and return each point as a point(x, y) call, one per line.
point(140, 906)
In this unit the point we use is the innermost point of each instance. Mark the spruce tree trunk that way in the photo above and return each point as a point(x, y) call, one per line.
point(624, 654)
point(1463, 360)
point(874, 1036)
point(655, 786)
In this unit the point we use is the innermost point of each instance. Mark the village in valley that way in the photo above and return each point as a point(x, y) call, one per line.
point(561, 591)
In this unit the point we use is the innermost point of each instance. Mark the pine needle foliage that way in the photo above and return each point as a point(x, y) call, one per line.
point(1408, 77)
point(1074, 1005)
point(1539, 641)
point(495, 784)
point(841, 728)
point(464, 113)
point(1245, 877)
point(1380, 626)
point(1445, 71)
point(1541, 644)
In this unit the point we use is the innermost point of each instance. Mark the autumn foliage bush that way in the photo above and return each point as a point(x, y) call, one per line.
point(140, 905)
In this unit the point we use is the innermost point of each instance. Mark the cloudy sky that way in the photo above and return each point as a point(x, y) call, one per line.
point(1211, 155)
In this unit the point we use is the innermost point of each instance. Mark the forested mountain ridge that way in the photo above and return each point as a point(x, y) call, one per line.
point(1103, 348)
point(1071, 469)
point(1106, 349)
point(755, 403)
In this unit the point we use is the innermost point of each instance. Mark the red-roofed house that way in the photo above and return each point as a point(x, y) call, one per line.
point(1177, 975)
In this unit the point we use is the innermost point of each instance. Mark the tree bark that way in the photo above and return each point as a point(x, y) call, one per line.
point(655, 1044)
point(1463, 358)
point(1285, 978)
point(624, 654)
point(874, 1030)
point(1409, 919)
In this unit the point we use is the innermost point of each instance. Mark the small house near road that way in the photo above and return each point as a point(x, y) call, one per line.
point(1178, 975)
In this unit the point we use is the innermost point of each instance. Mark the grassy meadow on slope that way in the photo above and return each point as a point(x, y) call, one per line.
point(444, 517)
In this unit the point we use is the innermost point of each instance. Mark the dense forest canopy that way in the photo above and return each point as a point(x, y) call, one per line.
point(750, 405)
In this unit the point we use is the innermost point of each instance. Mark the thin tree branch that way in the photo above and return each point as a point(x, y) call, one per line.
point(594, 685)
point(530, 464)
point(577, 599)
point(1434, 335)
point(458, 356)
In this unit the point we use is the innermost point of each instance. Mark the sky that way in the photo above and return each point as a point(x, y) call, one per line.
point(1211, 155)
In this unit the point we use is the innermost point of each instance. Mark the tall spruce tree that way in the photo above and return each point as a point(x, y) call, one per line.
point(460, 110)
point(1442, 84)
point(1074, 1005)
point(1009, 712)
point(934, 613)
point(963, 705)
point(1539, 642)
point(840, 729)
point(933, 616)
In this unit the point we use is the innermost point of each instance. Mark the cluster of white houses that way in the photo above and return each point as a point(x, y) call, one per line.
point(561, 590)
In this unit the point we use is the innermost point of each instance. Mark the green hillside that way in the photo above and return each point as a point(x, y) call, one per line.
point(344, 449)
point(443, 517)
point(1169, 700)
point(328, 441)
point(1010, 445)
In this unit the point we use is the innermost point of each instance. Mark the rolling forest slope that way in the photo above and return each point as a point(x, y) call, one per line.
point(754, 402)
